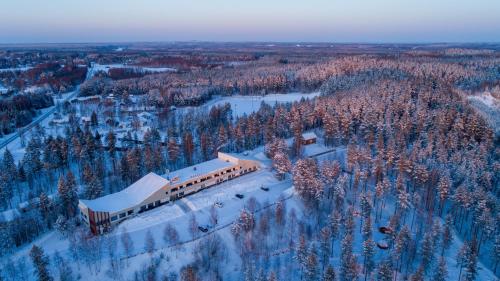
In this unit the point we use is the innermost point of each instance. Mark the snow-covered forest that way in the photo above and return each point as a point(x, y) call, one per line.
point(401, 184)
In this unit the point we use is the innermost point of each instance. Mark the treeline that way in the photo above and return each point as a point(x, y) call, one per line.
point(19, 110)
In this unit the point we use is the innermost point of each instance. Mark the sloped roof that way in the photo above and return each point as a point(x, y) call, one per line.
point(194, 171)
point(130, 196)
point(309, 136)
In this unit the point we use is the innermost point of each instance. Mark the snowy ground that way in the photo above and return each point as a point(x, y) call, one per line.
point(13, 69)
point(242, 105)
point(489, 107)
point(106, 67)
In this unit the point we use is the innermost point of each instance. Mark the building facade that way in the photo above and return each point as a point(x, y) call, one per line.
point(153, 190)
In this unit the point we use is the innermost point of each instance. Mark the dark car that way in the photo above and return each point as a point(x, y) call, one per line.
point(240, 196)
point(265, 188)
point(202, 228)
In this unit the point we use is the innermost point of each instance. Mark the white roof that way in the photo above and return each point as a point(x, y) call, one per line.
point(204, 168)
point(130, 196)
point(309, 136)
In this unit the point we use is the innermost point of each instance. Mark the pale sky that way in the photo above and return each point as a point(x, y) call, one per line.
point(74, 21)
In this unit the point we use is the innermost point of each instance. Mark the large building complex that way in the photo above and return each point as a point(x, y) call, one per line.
point(153, 190)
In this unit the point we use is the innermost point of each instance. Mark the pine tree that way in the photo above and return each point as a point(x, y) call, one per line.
point(419, 275)
point(41, 263)
point(8, 165)
point(495, 253)
point(427, 250)
point(311, 267)
point(348, 265)
point(32, 163)
point(441, 272)
point(93, 188)
point(368, 254)
point(384, 271)
point(272, 276)
point(471, 262)
point(61, 225)
point(335, 219)
point(173, 151)
point(447, 235)
point(301, 253)
point(444, 189)
point(6, 240)
point(325, 245)
point(329, 274)
point(281, 164)
point(306, 181)
point(188, 147)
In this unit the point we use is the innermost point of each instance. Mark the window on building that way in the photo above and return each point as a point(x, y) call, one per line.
point(157, 203)
point(189, 184)
point(130, 212)
point(150, 205)
point(122, 215)
point(143, 208)
point(113, 218)
point(228, 171)
point(174, 189)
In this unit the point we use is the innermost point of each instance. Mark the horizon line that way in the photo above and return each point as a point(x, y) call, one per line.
point(251, 42)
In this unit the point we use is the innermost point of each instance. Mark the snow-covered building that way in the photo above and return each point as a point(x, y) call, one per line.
point(154, 190)
point(309, 138)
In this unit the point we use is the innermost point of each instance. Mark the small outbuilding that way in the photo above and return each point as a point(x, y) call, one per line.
point(309, 138)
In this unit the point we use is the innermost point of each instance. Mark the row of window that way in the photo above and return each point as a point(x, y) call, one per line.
point(122, 215)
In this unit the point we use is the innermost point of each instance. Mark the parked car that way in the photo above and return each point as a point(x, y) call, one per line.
point(240, 196)
point(203, 228)
point(265, 188)
point(218, 204)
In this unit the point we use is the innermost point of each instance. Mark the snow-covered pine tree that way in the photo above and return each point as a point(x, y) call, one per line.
point(441, 272)
point(447, 234)
point(93, 188)
point(311, 267)
point(306, 181)
point(329, 274)
point(41, 263)
point(427, 249)
point(368, 256)
point(281, 165)
point(348, 264)
point(384, 271)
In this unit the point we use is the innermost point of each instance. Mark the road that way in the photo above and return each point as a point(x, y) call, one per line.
point(45, 115)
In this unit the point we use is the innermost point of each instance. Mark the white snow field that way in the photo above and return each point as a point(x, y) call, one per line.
point(241, 105)
point(106, 67)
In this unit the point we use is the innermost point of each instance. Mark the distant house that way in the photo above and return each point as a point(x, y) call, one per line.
point(154, 190)
point(309, 138)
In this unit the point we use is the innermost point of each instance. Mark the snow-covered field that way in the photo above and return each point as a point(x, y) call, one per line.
point(14, 69)
point(241, 105)
point(488, 106)
point(106, 67)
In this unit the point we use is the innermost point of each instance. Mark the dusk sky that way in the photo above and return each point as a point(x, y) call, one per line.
point(51, 21)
